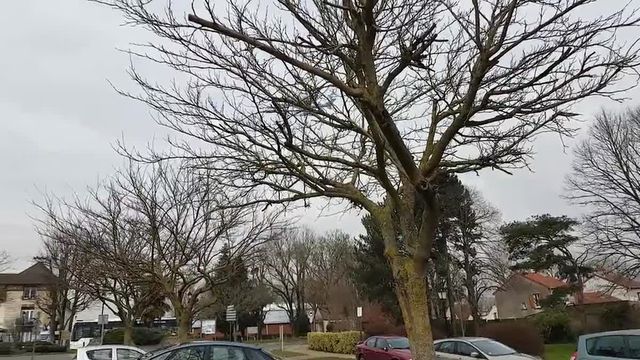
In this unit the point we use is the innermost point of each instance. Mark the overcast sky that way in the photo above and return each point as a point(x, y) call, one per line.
point(59, 120)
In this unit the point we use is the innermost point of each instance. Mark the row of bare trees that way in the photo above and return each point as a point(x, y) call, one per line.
point(151, 236)
point(309, 275)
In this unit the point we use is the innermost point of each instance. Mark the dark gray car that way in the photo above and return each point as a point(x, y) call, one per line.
point(209, 350)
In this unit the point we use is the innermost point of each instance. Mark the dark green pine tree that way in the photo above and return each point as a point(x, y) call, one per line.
point(371, 273)
point(547, 243)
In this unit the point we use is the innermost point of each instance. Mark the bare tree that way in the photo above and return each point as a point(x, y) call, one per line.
point(108, 243)
point(67, 298)
point(606, 180)
point(287, 269)
point(365, 100)
point(329, 287)
point(157, 227)
point(5, 260)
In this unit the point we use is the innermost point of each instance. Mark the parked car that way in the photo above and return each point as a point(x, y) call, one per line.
point(476, 348)
point(109, 352)
point(622, 344)
point(384, 348)
point(211, 350)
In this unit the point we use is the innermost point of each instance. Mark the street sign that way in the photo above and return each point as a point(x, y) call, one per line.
point(208, 327)
point(231, 313)
point(103, 319)
point(359, 311)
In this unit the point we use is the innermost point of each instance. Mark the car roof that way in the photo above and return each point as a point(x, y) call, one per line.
point(221, 343)
point(98, 347)
point(616, 332)
point(469, 338)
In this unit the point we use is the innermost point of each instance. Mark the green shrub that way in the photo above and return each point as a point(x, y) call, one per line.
point(339, 342)
point(140, 336)
point(554, 325)
point(5, 348)
point(520, 335)
point(50, 348)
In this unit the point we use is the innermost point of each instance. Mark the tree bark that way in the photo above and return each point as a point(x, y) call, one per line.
point(184, 325)
point(128, 333)
point(411, 290)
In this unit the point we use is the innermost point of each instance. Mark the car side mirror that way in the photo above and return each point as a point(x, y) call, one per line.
point(475, 355)
point(386, 348)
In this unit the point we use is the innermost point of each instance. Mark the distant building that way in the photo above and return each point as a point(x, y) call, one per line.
point(20, 295)
point(614, 285)
point(521, 294)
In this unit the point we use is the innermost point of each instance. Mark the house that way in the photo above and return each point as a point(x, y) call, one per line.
point(521, 293)
point(613, 284)
point(21, 294)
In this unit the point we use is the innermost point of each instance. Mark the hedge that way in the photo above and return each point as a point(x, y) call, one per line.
point(521, 335)
point(140, 336)
point(50, 348)
point(339, 342)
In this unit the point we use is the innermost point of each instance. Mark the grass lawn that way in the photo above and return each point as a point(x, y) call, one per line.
point(285, 354)
point(558, 351)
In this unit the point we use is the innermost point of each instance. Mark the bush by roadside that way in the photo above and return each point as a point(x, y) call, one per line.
point(40, 347)
point(554, 325)
point(5, 348)
point(340, 342)
point(140, 336)
point(521, 336)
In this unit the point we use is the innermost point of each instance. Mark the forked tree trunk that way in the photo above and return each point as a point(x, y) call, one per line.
point(411, 290)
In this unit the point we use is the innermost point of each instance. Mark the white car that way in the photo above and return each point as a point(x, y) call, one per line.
point(474, 348)
point(109, 352)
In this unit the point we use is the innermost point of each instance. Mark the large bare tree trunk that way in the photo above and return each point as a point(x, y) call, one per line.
point(184, 325)
point(411, 290)
point(128, 333)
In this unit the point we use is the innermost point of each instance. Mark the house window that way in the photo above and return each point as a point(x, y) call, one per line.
point(536, 300)
point(523, 306)
point(29, 293)
point(28, 315)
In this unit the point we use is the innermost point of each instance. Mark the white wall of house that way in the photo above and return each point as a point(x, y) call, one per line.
point(598, 284)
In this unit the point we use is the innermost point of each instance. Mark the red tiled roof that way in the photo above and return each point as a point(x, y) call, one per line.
point(597, 298)
point(619, 279)
point(547, 281)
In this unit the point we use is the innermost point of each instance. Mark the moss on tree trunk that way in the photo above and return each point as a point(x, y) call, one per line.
point(411, 290)
point(184, 326)
point(128, 334)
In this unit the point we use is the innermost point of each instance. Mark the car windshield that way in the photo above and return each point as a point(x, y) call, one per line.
point(398, 343)
point(151, 354)
point(493, 348)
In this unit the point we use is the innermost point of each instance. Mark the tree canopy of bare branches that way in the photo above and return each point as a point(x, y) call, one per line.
point(606, 180)
point(286, 261)
point(365, 100)
point(5, 260)
point(159, 227)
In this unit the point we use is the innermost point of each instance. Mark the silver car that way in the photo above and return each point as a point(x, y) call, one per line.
point(470, 348)
point(623, 344)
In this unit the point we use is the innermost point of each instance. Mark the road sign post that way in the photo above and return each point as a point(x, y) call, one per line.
point(232, 317)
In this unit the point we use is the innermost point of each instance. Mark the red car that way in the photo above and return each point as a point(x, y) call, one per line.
point(384, 348)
